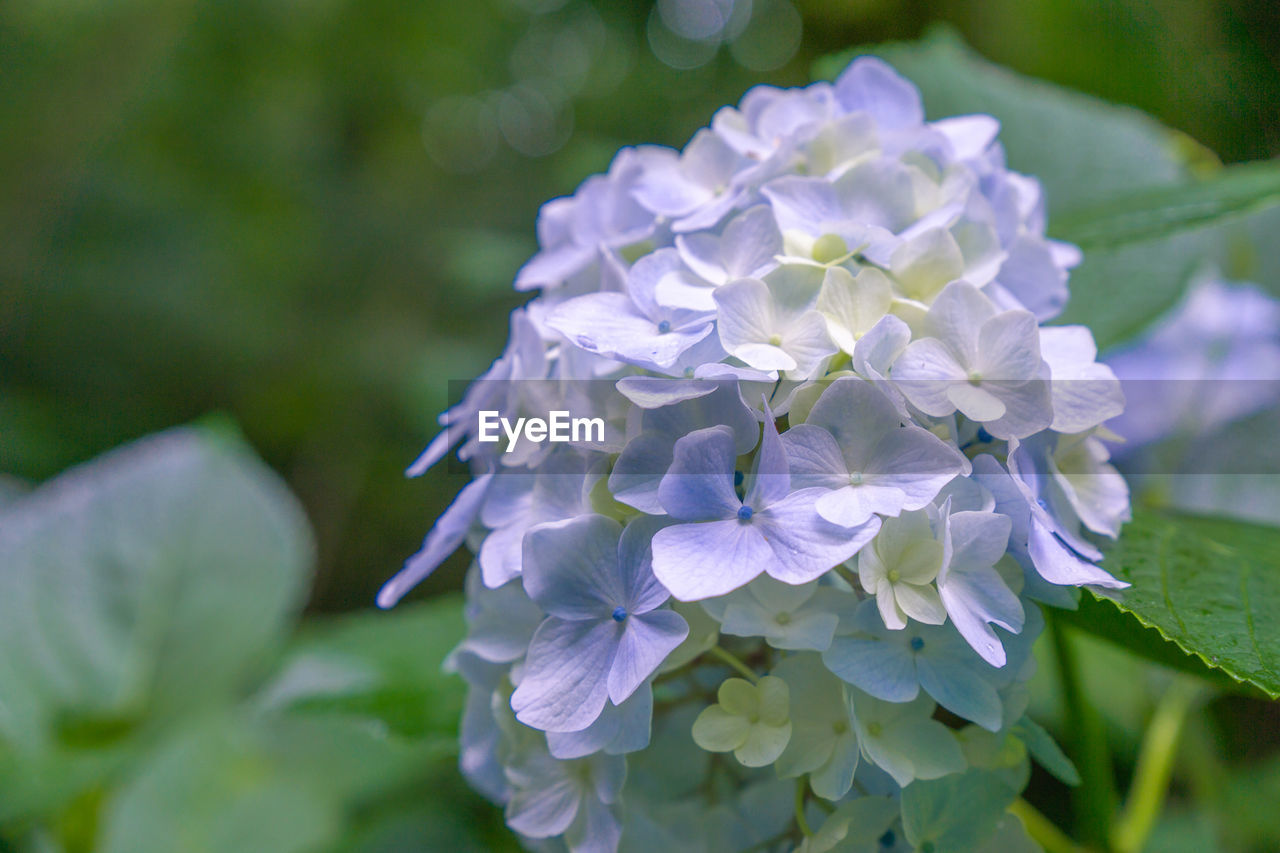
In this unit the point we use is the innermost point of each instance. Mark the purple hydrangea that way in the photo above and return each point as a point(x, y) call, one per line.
point(839, 460)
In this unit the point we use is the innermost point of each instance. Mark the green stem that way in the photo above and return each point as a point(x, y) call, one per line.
point(849, 576)
point(734, 661)
point(1154, 768)
point(1042, 830)
point(1094, 800)
point(802, 785)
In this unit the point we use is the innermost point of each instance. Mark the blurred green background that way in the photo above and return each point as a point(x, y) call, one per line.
point(308, 214)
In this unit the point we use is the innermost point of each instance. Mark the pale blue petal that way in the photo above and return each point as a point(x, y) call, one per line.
point(851, 506)
point(500, 622)
point(834, 779)
point(802, 204)
point(619, 729)
point(501, 553)
point(958, 687)
point(770, 481)
point(595, 830)
point(883, 668)
point(544, 811)
point(1058, 564)
point(814, 457)
point(653, 392)
point(870, 85)
point(565, 682)
point(552, 267)
point(639, 470)
point(856, 413)
point(710, 213)
point(877, 350)
point(976, 597)
point(641, 591)
point(696, 561)
point(647, 639)
point(876, 194)
point(804, 545)
point(957, 317)
point(750, 242)
point(723, 407)
point(1032, 275)
point(699, 484)
point(445, 537)
point(570, 567)
point(969, 135)
point(925, 372)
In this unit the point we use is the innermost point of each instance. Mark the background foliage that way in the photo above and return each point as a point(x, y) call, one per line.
point(307, 216)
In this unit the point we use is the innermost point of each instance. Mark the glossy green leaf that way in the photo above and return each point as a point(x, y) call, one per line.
point(1210, 586)
point(1099, 616)
point(151, 582)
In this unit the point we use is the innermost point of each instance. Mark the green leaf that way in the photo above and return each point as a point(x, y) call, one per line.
point(1210, 586)
point(11, 488)
point(956, 812)
point(145, 584)
point(1099, 616)
point(1084, 150)
point(382, 665)
point(1046, 751)
point(1010, 836)
point(1162, 212)
point(258, 785)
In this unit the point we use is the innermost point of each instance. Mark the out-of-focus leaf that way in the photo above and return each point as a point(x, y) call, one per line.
point(1209, 585)
point(38, 784)
point(956, 812)
point(148, 583)
point(386, 666)
point(12, 488)
point(1010, 837)
point(1157, 213)
point(484, 260)
point(1045, 750)
point(258, 785)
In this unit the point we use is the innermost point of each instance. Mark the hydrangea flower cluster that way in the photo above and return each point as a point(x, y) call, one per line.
point(841, 461)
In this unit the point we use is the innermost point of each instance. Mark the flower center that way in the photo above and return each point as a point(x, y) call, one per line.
point(855, 479)
point(839, 727)
point(829, 247)
point(745, 512)
point(664, 327)
point(893, 575)
point(975, 378)
point(917, 644)
point(775, 340)
point(783, 618)
point(874, 729)
point(619, 613)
